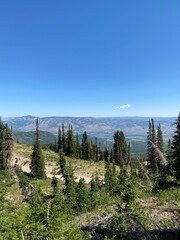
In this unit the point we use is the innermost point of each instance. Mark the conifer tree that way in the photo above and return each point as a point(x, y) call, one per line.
point(70, 149)
point(9, 145)
point(95, 191)
point(62, 163)
point(176, 149)
point(59, 141)
point(78, 147)
point(96, 150)
point(106, 155)
point(120, 148)
point(151, 154)
point(3, 161)
point(70, 188)
point(160, 144)
point(169, 154)
point(160, 141)
point(128, 153)
point(111, 156)
point(82, 196)
point(85, 146)
point(37, 160)
point(110, 179)
point(63, 139)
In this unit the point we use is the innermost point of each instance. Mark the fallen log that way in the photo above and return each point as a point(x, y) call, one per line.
point(134, 234)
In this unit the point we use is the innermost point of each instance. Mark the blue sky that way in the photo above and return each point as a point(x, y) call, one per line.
point(89, 58)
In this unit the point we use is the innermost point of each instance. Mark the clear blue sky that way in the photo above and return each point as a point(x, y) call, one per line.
point(89, 58)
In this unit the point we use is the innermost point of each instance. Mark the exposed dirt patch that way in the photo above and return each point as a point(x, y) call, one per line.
point(51, 167)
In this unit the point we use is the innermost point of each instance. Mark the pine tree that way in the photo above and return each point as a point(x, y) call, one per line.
point(160, 144)
point(96, 150)
point(110, 179)
point(95, 191)
point(120, 148)
point(151, 154)
point(176, 149)
point(59, 141)
point(70, 149)
point(63, 139)
point(82, 196)
point(70, 188)
point(106, 155)
point(85, 146)
point(169, 154)
point(3, 162)
point(9, 145)
point(129, 154)
point(111, 156)
point(160, 141)
point(78, 147)
point(62, 163)
point(37, 160)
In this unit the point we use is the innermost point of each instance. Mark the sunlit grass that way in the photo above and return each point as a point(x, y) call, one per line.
point(81, 167)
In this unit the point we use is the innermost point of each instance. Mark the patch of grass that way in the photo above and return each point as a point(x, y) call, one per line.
point(170, 195)
point(13, 194)
point(23, 150)
point(86, 167)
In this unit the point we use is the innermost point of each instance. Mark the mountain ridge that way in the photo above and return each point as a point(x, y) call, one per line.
point(95, 126)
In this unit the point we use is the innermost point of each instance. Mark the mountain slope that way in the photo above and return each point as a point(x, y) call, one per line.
point(29, 137)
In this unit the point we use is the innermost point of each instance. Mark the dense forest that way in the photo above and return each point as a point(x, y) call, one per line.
point(114, 206)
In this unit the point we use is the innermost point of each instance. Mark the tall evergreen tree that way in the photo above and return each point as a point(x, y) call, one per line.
point(151, 154)
point(120, 148)
point(96, 149)
point(160, 141)
point(85, 146)
point(176, 149)
point(160, 144)
point(37, 160)
point(62, 163)
point(111, 156)
point(129, 153)
point(63, 139)
point(9, 145)
point(78, 147)
point(70, 149)
point(3, 162)
point(59, 141)
point(169, 154)
point(106, 155)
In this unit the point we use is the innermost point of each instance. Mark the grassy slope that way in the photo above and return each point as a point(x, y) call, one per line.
point(81, 167)
point(156, 205)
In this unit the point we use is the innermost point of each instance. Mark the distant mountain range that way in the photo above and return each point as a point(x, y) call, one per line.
point(133, 127)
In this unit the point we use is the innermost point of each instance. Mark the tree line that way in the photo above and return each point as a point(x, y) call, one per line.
point(159, 161)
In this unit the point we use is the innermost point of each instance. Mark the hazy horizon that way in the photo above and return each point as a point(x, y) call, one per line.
point(59, 116)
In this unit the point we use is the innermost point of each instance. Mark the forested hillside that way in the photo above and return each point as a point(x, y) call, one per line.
point(75, 189)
